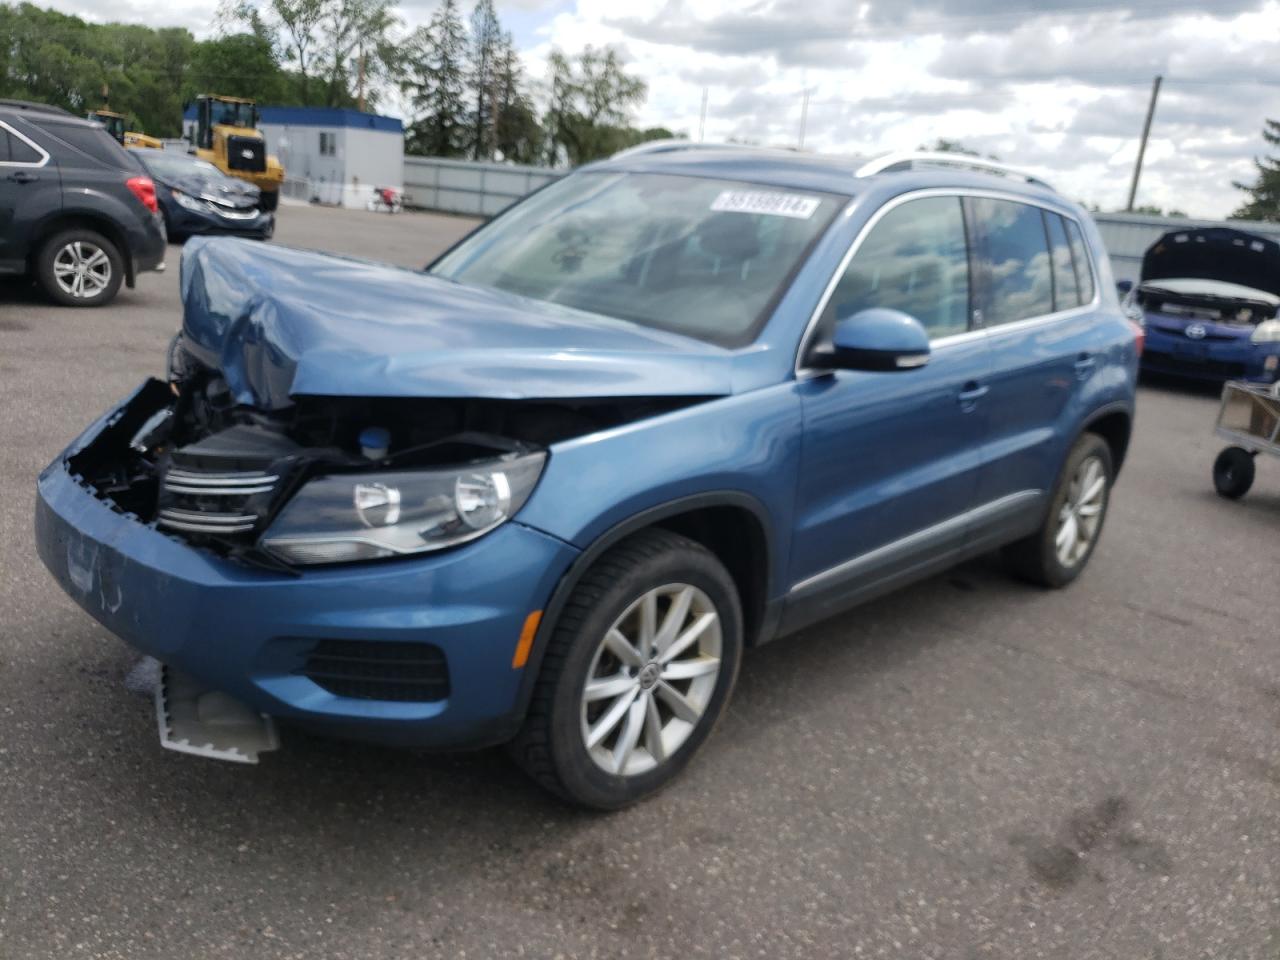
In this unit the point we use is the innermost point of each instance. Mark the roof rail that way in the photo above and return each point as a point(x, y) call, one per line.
point(671, 145)
point(910, 160)
point(35, 107)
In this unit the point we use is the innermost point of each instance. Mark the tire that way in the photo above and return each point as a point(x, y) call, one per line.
point(552, 746)
point(1233, 472)
point(58, 273)
point(1043, 558)
point(268, 200)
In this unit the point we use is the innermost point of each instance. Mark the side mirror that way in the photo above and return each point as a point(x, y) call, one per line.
point(878, 339)
point(1123, 287)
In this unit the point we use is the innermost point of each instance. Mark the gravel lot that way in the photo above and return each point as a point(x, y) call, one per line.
point(969, 768)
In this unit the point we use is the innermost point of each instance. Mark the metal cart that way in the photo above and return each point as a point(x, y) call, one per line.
point(1249, 417)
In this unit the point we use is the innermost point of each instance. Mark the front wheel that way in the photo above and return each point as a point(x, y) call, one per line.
point(639, 667)
point(1055, 554)
point(79, 268)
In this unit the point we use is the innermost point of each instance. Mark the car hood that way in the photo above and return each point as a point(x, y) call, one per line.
point(225, 191)
point(1215, 253)
point(279, 323)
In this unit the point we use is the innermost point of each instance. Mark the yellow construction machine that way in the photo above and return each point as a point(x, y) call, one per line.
point(115, 124)
point(227, 136)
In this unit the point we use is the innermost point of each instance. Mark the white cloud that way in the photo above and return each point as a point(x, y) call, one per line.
point(1056, 85)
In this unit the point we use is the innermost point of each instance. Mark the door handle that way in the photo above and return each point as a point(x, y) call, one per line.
point(971, 393)
point(1084, 365)
point(22, 176)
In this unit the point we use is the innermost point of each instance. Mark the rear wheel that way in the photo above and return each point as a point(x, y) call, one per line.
point(1233, 472)
point(1055, 554)
point(638, 670)
point(79, 268)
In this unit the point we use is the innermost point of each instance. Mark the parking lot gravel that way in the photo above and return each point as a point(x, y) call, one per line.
point(968, 768)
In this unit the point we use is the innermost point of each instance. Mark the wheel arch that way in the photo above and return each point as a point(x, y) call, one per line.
point(1114, 423)
point(732, 525)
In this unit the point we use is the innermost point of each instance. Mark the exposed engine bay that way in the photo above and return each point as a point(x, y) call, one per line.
point(185, 456)
point(1207, 300)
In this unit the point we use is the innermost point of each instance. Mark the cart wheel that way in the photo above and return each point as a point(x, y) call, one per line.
point(1233, 472)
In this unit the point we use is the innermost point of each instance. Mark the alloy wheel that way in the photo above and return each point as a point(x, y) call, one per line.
point(1081, 512)
point(651, 680)
point(82, 269)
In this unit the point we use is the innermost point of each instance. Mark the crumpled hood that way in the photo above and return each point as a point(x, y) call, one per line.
point(279, 323)
point(227, 191)
point(1215, 253)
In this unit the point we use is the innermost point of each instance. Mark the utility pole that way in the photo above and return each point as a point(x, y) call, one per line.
point(804, 116)
point(702, 120)
point(360, 79)
point(1142, 147)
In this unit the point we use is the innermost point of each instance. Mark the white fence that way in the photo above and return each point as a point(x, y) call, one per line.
point(464, 186)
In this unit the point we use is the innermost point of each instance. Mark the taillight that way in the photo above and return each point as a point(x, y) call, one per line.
point(1139, 336)
point(144, 188)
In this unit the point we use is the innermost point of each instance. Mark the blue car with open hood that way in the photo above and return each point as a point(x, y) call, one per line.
point(1208, 298)
point(546, 491)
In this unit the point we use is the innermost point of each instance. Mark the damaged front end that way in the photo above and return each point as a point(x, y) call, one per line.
point(328, 479)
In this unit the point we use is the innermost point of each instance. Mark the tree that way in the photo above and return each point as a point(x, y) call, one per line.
point(516, 131)
point(294, 28)
point(590, 105)
point(1264, 193)
point(486, 36)
point(237, 65)
point(356, 30)
point(436, 83)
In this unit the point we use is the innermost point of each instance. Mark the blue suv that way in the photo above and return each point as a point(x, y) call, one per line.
point(546, 491)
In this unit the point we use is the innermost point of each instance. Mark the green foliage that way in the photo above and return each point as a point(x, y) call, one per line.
point(434, 65)
point(591, 103)
point(1264, 192)
point(54, 58)
point(486, 41)
point(1152, 210)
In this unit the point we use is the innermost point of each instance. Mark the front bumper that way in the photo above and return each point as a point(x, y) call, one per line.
point(187, 223)
point(1173, 354)
point(246, 631)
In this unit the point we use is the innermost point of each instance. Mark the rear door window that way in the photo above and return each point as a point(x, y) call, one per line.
point(1011, 253)
point(91, 140)
point(1084, 267)
point(915, 259)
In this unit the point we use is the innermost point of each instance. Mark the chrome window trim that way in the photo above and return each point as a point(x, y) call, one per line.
point(44, 154)
point(803, 372)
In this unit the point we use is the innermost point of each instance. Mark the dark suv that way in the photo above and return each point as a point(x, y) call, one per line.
point(77, 212)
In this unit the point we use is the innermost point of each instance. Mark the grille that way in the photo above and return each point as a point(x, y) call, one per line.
point(378, 670)
point(1168, 363)
point(218, 504)
point(246, 153)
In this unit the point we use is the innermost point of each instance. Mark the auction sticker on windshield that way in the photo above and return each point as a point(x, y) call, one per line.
point(795, 205)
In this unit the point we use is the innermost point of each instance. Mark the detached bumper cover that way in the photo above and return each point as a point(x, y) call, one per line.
point(247, 632)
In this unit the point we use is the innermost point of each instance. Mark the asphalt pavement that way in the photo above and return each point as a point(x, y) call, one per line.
point(968, 768)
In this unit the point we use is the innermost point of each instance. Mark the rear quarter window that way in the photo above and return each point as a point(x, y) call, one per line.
point(1084, 266)
point(91, 141)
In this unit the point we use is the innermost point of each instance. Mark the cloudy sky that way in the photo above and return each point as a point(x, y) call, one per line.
point(1058, 86)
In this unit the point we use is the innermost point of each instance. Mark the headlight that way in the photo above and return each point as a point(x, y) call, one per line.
point(1268, 331)
point(191, 203)
point(365, 516)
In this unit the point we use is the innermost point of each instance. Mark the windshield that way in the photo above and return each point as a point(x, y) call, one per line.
point(161, 164)
point(701, 257)
point(233, 114)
